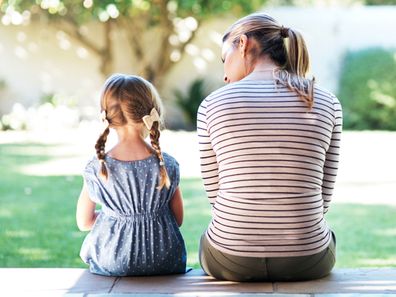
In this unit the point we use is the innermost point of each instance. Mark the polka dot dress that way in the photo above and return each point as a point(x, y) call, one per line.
point(135, 232)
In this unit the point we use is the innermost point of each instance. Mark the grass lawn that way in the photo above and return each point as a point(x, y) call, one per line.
point(37, 218)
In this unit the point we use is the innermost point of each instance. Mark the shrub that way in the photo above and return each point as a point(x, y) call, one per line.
point(3, 84)
point(43, 117)
point(368, 90)
point(189, 102)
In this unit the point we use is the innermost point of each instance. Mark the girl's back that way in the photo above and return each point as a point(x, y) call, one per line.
point(136, 233)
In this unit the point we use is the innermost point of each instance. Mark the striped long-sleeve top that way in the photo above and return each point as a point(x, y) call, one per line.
point(269, 165)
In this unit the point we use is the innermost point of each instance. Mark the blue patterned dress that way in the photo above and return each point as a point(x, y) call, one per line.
point(136, 232)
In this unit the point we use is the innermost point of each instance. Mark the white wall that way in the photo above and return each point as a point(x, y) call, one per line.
point(36, 59)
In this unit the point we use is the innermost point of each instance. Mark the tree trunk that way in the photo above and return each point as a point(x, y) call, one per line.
point(152, 69)
point(106, 56)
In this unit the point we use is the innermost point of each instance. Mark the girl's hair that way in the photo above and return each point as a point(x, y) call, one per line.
point(284, 46)
point(126, 99)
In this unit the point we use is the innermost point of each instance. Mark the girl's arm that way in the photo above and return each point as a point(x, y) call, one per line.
point(176, 205)
point(85, 214)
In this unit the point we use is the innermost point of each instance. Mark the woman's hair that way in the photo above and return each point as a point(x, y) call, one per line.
point(284, 46)
point(126, 99)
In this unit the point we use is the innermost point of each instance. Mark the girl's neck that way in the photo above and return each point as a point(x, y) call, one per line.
point(131, 145)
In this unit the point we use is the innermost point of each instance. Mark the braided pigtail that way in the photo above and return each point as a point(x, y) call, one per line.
point(154, 137)
point(100, 153)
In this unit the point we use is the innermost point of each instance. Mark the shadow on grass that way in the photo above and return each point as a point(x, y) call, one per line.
point(37, 212)
point(197, 215)
point(366, 234)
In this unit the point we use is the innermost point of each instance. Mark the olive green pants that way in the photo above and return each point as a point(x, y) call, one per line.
point(244, 269)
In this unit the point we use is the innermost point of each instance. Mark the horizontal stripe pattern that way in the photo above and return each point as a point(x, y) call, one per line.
point(269, 166)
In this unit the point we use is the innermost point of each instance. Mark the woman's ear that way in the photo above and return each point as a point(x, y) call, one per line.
point(243, 42)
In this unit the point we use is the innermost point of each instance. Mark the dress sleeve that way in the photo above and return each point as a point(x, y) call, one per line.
point(209, 165)
point(176, 174)
point(332, 157)
point(173, 169)
point(91, 180)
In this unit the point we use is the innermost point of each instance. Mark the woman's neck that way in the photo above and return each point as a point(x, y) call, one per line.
point(263, 70)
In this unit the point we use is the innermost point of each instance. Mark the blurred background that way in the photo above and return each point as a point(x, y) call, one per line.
point(56, 54)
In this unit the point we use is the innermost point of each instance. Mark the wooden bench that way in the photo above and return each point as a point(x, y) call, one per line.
point(80, 283)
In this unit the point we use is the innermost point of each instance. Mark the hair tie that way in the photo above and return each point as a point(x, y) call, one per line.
point(151, 118)
point(284, 32)
point(103, 117)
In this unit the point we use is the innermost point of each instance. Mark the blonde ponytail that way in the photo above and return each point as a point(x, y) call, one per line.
point(297, 53)
point(297, 66)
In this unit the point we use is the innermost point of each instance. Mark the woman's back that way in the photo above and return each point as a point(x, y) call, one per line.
point(264, 156)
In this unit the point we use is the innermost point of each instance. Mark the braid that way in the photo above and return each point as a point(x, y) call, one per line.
point(154, 137)
point(100, 153)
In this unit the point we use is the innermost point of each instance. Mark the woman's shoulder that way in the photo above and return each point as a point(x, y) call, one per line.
point(239, 87)
point(322, 93)
point(215, 94)
point(226, 88)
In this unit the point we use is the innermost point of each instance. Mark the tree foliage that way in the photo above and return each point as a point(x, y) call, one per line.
point(189, 102)
point(305, 3)
point(368, 91)
point(174, 23)
point(379, 2)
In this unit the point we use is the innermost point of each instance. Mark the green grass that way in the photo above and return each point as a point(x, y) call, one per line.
point(37, 218)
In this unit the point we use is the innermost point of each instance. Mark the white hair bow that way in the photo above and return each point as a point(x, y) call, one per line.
point(151, 118)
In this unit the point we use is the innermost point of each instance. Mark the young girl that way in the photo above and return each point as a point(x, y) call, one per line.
point(136, 232)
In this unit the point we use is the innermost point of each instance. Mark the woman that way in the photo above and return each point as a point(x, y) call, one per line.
point(269, 143)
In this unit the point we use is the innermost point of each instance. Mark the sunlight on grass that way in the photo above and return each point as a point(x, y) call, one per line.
point(386, 232)
point(18, 233)
point(5, 213)
point(49, 159)
point(388, 262)
point(35, 253)
point(53, 167)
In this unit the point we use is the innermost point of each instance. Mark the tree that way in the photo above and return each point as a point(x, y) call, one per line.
point(189, 102)
point(305, 3)
point(174, 23)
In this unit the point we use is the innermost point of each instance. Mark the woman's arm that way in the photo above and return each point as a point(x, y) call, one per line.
point(332, 158)
point(209, 166)
point(85, 213)
point(176, 205)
